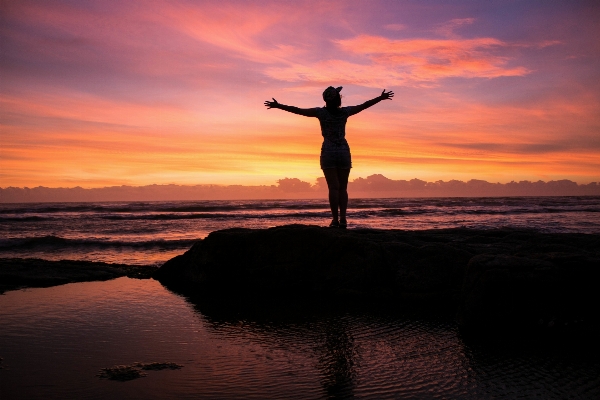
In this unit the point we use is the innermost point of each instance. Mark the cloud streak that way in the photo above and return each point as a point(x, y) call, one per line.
point(419, 62)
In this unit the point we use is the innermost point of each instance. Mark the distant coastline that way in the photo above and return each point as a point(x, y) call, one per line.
point(374, 186)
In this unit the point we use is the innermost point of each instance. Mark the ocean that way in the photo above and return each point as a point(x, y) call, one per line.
point(150, 233)
point(55, 341)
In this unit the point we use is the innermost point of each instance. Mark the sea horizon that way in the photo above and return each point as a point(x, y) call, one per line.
point(151, 232)
point(374, 186)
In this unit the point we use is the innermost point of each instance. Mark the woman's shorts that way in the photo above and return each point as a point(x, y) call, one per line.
point(336, 159)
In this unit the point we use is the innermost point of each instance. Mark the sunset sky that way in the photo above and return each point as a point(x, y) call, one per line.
point(101, 93)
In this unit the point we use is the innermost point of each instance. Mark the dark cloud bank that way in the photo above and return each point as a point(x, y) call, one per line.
point(288, 188)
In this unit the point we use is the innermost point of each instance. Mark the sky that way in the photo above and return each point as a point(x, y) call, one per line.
point(102, 93)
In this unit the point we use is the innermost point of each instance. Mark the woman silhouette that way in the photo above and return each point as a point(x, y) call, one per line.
point(335, 152)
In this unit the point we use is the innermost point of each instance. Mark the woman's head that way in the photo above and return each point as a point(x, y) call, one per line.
point(332, 97)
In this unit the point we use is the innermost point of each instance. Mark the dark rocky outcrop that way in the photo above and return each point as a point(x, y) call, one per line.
point(496, 280)
point(543, 291)
point(32, 272)
point(309, 260)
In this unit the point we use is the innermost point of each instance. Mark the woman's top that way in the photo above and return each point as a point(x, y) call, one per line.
point(333, 128)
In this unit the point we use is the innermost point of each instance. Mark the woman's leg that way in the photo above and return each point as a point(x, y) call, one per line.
point(333, 184)
point(337, 182)
point(343, 175)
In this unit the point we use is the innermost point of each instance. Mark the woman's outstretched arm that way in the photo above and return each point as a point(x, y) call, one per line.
point(384, 96)
point(307, 112)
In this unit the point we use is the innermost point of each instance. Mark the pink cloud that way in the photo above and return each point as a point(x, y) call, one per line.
point(415, 62)
point(447, 29)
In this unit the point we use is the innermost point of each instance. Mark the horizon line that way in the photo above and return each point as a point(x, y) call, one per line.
point(374, 186)
point(312, 186)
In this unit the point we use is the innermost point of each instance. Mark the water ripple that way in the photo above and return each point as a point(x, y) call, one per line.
point(54, 341)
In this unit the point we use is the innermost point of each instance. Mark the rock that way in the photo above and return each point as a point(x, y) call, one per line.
point(284, 260)
point(121, 373)
point(125, 373)
point(433, 268)
point(157, 366)
point(505, 293)
point(310, 260)
point(18, 273)
point(494, 279)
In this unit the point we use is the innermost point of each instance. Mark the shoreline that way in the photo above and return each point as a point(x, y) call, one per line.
point(496, 280)
point(21, 273)
point(101, 325)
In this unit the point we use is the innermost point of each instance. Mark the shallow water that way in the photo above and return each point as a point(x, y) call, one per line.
point(55, 340)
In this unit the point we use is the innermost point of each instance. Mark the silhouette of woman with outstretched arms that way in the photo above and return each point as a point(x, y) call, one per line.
point(335, 153)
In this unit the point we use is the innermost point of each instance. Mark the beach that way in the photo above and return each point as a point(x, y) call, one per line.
point(298, 310)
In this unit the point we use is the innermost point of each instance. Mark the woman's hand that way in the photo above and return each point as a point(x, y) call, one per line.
point(272, 104)
point(384, 95)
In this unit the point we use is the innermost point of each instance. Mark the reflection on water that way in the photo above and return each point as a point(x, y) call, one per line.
point(54, 341)
point(337, 360)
